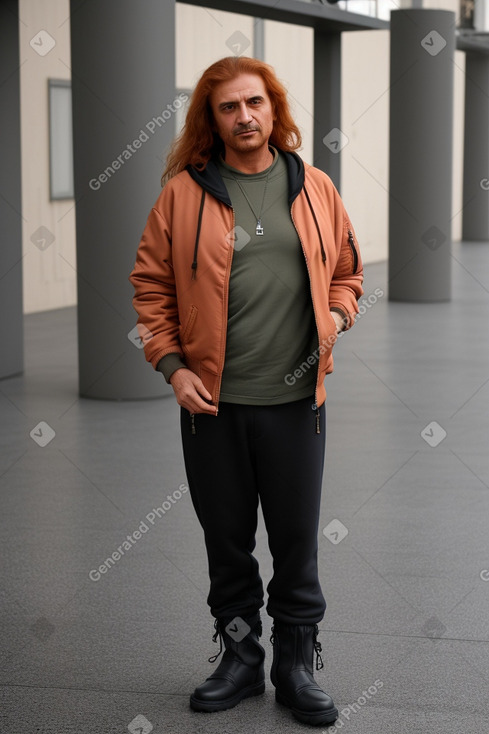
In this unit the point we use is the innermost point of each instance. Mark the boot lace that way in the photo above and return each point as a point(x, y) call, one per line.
point(217, 633)
point(318, 649)
point(257, 627)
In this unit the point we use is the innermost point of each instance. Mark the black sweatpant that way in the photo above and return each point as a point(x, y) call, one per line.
point(273, 453)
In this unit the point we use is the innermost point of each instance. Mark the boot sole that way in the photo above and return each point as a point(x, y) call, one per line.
point(227, 703)
point(319, 718)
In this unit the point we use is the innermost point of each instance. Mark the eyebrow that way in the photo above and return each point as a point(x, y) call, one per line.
point(249, 99)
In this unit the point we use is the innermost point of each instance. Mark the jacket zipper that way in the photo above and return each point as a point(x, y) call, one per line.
point(318, 427)
point(197, 236)
point(323, 253)
point(353, 250)
point(224, 331)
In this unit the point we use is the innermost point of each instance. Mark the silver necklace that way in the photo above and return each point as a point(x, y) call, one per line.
point(259, 228)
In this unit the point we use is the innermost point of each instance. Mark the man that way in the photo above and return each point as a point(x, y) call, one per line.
point(246, 271)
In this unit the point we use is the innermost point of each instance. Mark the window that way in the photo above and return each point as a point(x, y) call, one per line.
point(60, 140)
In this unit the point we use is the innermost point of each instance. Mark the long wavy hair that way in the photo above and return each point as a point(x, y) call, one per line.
point(198, 142)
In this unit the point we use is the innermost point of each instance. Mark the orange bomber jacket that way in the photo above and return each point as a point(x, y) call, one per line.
point(183, 264)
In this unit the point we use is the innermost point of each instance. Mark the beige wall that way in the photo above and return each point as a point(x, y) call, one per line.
point(290, 50)
point(203, 36)
point(365, 161)
point(49, 281)
point(458, 143)
point(365, 121)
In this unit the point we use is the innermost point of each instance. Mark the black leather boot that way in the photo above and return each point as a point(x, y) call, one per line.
point(240, 673)
point(291, 674)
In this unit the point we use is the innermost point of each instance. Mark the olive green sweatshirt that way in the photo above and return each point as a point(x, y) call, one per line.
point(271, 328)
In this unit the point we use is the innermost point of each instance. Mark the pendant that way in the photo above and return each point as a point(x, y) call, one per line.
point(259, 228)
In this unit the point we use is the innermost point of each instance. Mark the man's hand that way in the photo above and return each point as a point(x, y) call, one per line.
point(190, 391)
point(338, 319)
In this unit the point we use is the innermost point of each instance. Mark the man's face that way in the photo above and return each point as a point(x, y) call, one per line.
point(243, 114)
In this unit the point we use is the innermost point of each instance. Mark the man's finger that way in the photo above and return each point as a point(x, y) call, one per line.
point(201, 389)
point(195, 403)
point(199, 406)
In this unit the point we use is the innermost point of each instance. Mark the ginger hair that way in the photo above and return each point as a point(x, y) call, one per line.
point(198, 142)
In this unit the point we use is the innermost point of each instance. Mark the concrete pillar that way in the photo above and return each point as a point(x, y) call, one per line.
point(123, 78)
point(259, 38)
point(328, 136)
point(11, 318)
point(475, 225)
point(481, 16)
point(420, 175)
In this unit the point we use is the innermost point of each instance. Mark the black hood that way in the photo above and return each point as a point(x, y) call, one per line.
point(211, 180)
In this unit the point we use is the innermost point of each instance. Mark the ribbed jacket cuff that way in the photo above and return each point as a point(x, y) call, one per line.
point(169, 364)
point(343, 316)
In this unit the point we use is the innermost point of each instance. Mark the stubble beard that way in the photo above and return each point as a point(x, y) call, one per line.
point(245, 145)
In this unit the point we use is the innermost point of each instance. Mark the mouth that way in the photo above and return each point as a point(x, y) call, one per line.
point(246, 132)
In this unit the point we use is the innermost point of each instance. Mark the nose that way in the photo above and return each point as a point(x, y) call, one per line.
point(244, 116)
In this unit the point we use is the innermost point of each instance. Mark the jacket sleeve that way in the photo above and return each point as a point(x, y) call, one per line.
point(153, 279)
point(346, 283)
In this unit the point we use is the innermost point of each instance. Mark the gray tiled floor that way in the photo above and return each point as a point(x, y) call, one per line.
point(407, 607)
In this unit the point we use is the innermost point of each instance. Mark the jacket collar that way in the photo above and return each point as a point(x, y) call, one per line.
point(211, 180)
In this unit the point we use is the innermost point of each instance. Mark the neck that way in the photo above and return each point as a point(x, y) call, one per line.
point(253, 161)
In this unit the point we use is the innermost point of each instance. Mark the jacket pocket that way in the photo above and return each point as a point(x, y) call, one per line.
point(188, 328)
point(354, 251)
point(333, 334)
point(326, 345)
